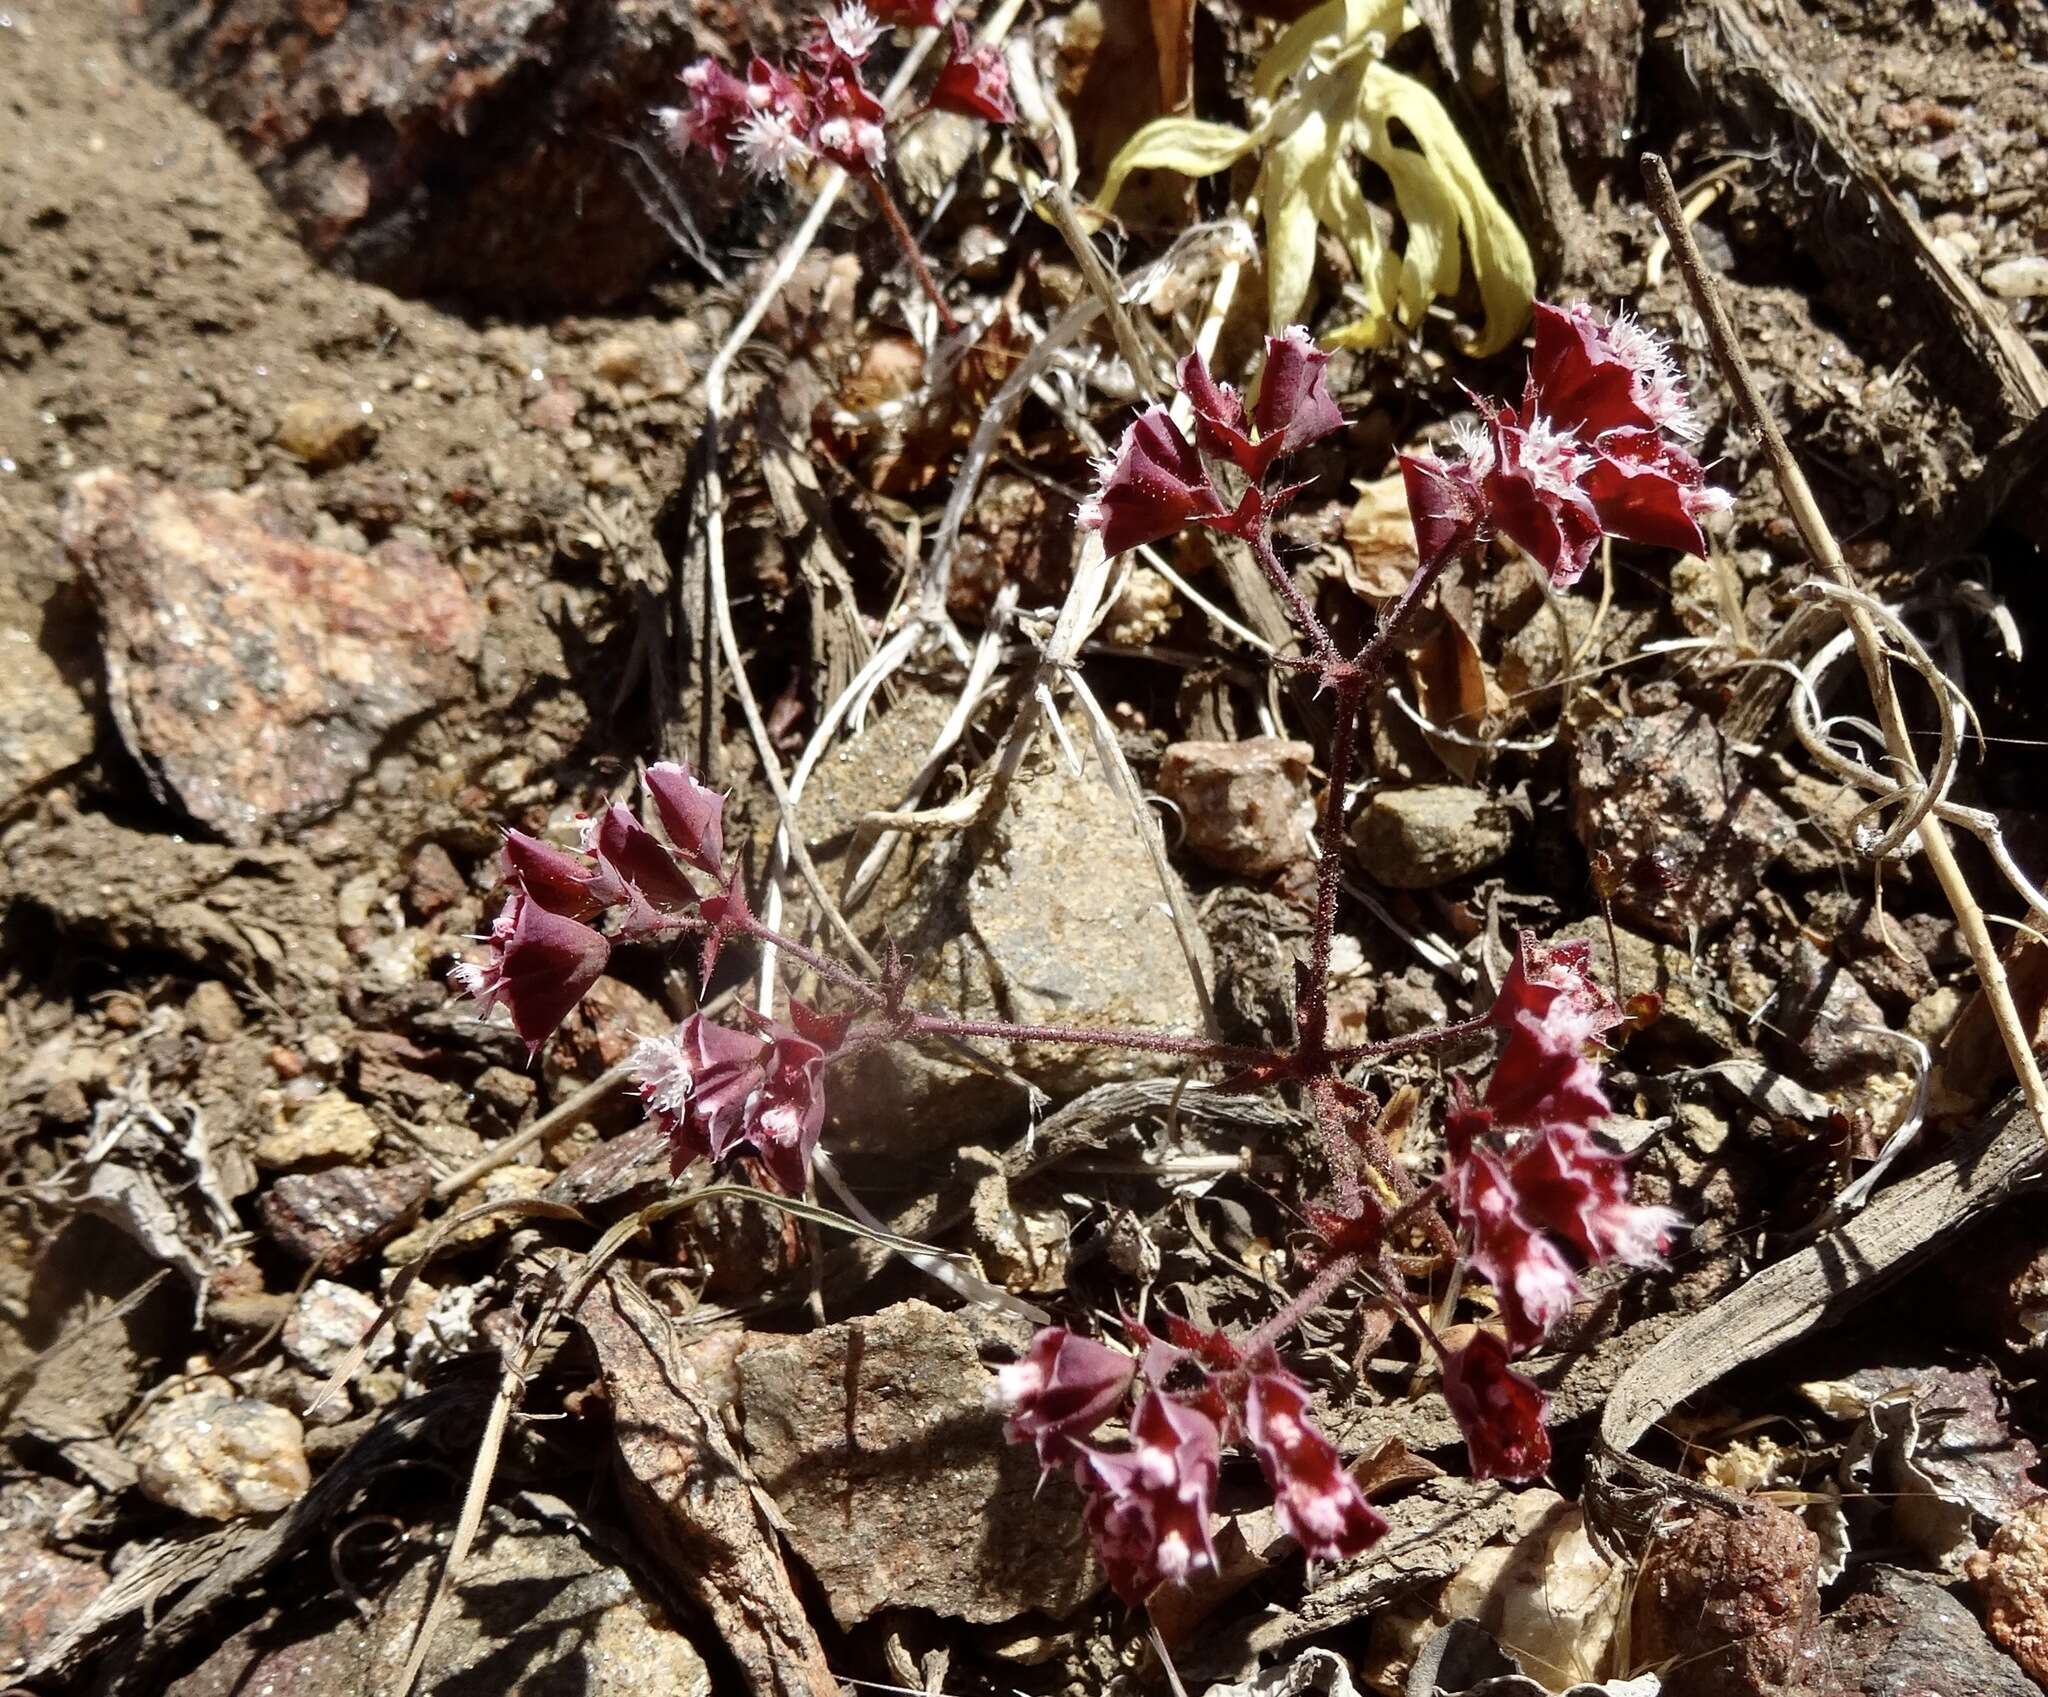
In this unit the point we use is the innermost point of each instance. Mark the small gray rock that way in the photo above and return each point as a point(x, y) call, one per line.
point(1051, 913)
point(1902, 1635)
point(878, 1443)
point(329, 1321)
point(1416, 839)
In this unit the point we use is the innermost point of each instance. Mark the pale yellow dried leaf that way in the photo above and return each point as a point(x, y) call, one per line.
point(1189, 146)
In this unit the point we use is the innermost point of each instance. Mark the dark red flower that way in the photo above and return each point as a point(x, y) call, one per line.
point(719, 104)
point(1532, 474)
point(847, 33)
point(1149, 1506)
point(975, 81)
point(1500, 1412)
point(1221, 423)
point(846, 125)
point(696, 1084)
point(692, 815)
point(1590, 453)
point(1062, 1389)
point(1648, 490)
point(1531, 1279)
point(540, 966)
point(1591, 375)
point(1321, 1507)
point(1569, 1185)
point(1154, 484)
point(1554, 1015)
point(786, 1112)
point(1294, 401)
point(629, 854)
point(1444, 505)
point(558, 880)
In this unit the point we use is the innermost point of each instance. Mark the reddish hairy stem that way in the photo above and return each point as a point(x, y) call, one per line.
point(1108, 1037)
point(915, 1024)
point(892, 215)
point(1312, 628)
point(824, 966)
point(1313, 1295)
point(1372, 658)
point(1355, 1052)
point(1314, 1014)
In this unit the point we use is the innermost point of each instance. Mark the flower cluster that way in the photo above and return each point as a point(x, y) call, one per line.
point(1157, 480)
point(1150, 1497)
point(776, 118)
point(543, 957)
point(1532, 1188)
point(712, 1089)
point(1597, 448)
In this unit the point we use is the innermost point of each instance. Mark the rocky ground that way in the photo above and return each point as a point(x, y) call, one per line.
point(352, 366)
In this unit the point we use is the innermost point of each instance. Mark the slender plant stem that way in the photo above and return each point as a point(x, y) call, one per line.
point(1389, 1046)
point(1311, 1296)
point(892, 214)
point(1314, 1014)
point(1304, 616)
point(912, 1023)
point(1106, 1037)
point(1372, 658)
point(835, 972)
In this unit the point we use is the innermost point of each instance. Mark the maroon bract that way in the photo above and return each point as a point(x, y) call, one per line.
point(1149, 1506)
point(719, 104)
point(974, 81)
point(1590, 375)
point(634, 857)
point(1153, 485)
point(1294, 399)
point(1531, 1278)
point(786, 1113)
point(1501, 1413)
point(1445, 506)
point(848, 127)
point(1531, 477)
point(1571, 1186)
point(711, 1089)
point(558, 880)
point(1651, 491)
point(540, 966)
point(1321, 1507)
point(1221, 424)
point(1062, 1389)
point(695, 1085)
point(725, 914)
point(1156, 482)
point(692, 815)
point(1554, 1015)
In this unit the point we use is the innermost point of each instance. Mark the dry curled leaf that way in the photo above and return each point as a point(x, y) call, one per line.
point(1340, 99)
